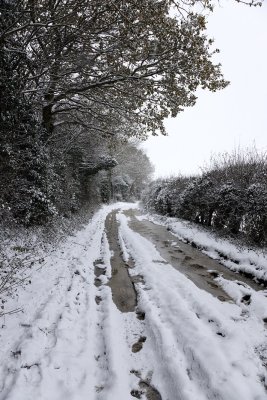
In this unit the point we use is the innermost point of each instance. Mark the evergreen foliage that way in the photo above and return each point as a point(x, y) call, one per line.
point(26, 176)
point(77, 76)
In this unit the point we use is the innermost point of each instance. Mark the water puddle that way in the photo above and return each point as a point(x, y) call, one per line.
point(198, 267)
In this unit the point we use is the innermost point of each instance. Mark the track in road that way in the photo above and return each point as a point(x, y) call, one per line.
point(189, 378)
point(124, 310)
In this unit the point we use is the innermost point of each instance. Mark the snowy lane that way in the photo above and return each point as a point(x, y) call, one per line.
point(159, 337)
point(206, 349)
point(61, 346)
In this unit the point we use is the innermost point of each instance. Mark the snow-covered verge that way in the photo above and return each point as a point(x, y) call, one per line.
point(236, 258)
point(22, 247)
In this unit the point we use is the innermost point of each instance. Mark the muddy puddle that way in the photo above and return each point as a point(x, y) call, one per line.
point(122, 287)
point(146, 388)
point(198, 267)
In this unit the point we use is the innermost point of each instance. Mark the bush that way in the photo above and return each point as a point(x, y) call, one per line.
point(230, 195)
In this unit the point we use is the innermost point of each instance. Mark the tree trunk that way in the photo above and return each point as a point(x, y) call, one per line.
point(47, 120)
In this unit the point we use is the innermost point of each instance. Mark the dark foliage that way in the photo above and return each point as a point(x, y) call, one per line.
point(231, 195)
point(77, 75)
point(26, 177)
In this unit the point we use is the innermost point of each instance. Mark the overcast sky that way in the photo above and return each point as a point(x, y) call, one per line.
point(231, 118)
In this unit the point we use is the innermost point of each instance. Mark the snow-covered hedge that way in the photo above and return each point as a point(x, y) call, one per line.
point(231, 196)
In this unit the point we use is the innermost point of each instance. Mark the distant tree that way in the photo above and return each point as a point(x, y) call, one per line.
point(133, 167)
point(121, 187)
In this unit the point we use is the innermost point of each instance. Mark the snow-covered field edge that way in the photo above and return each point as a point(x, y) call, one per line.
point(238, 258)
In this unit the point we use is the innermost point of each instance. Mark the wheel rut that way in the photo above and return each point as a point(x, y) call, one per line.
point(198, 267)
point(123, 291)
point(124, 295)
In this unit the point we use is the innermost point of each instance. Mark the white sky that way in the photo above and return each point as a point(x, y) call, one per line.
point(231, 118)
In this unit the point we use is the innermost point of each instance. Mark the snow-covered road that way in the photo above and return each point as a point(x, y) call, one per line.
point(112, 316)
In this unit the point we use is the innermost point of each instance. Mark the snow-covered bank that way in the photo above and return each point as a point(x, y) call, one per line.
point(22, 248)
point(233, 257)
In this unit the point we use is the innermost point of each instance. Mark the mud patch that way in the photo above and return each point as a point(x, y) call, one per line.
point(214, 274)
point(99, 261)
point(99, 271)
point(123, 292)
point(141, 315)
point(26, 366)
point(145, 388)
point(197, 266)
point(246, 299)
point(187, 258)
point(97, 282)
point(212, 284)
point(99, 389)
point(136, 347)
point(98, 299)
point(99, 268)
point(137, 279)
point(150, 391)
point(136, 393)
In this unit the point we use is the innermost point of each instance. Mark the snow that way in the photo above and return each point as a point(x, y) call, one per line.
point(67, 345)
point(210, 343)
point(49, 350)
point(232, 256)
